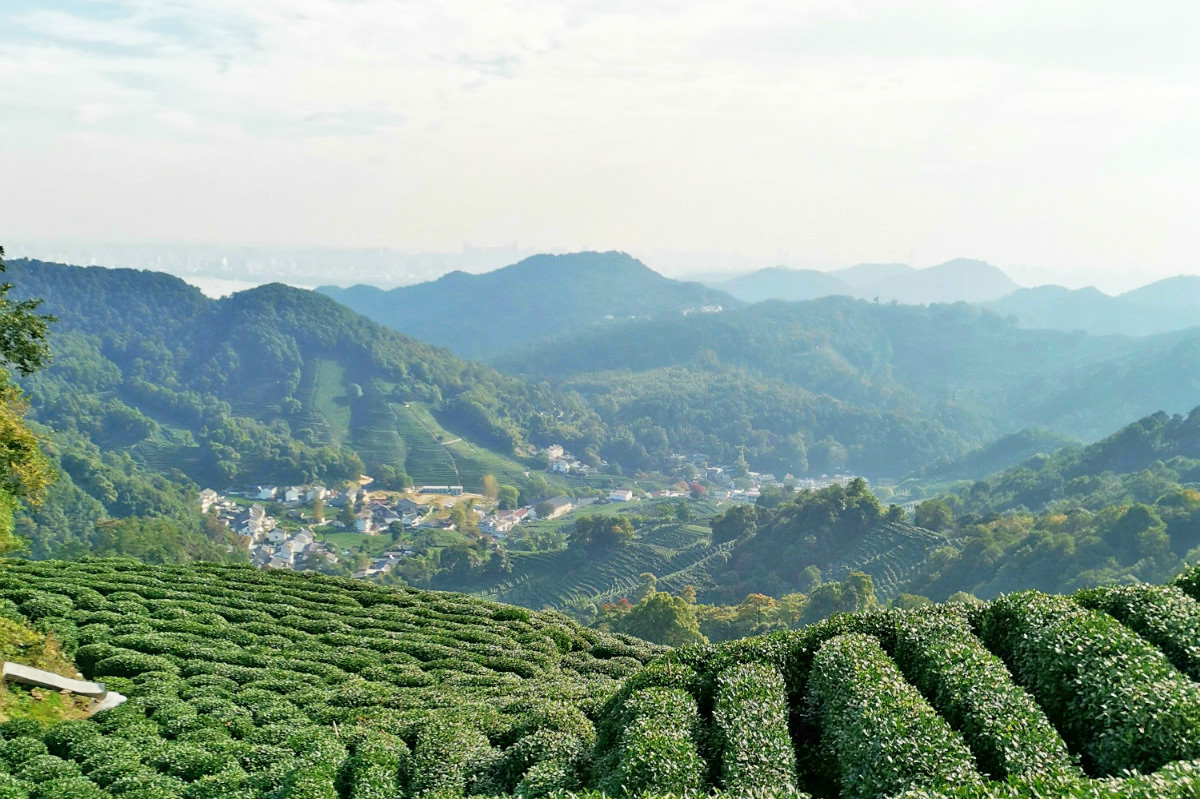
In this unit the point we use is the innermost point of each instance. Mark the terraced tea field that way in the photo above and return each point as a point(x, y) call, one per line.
point(893, 553)
point(246, 683)
point(323, 392)
point(427, 461)
point(250, 684)
point(551, 579)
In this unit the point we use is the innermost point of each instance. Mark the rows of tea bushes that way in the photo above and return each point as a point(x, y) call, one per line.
point(244, 683)
point(1030, 694)
point(285, 686)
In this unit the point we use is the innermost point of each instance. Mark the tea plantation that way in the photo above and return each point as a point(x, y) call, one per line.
point(245, 683)
point(279, 685)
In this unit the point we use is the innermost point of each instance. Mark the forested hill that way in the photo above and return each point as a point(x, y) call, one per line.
point(1138, 463)
point(971, 371)
point(479, 316)
point(1158, 307)
point(272, 384)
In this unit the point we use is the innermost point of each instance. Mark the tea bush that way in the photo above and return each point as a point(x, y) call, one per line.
point(883, 736)
point(1114, 697)
point(280, 684)
point(750, 722)
point(657, 749)
point(1163, 615)
point(973, 690)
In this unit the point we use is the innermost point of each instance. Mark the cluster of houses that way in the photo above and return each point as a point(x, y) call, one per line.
point(384, 563)
point(377, 517)
point(275, 546)
point(270, 546)
point(292, 495)
point(561, 462)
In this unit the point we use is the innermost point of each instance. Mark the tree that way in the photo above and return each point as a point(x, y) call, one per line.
point(464, 518)
point(491, 488)
point(663, 619)
point(933, 514)
point(734, 523)
point(346, 515)
point(601, 532)
point(508, 498)
point(740, 467)
point(27, 473)
point(683, 512)
point(647, 583)
point(318, 509)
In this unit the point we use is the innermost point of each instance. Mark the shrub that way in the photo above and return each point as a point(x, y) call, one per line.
point(186, 761)
point(1163, 615)
point(147, 784)
point(657, 750)
point(229, 782)
point(1116, 699)
point(111, 760)
point(973, 690)
point(70, 788)
point(17, 751)
point(750, 721)
point(72, 739)
point(310, 781)
point(446, 757)
point(566, 750)
point(1189, 582)
point(375, 768)
point(46, 606)
point(44, 768)
point(881, 733)
point(127, 663)
point(546, 778)
point(12, 788)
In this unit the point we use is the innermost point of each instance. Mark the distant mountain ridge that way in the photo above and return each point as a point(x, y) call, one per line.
point(480, 316)
point(960, 280)
point(1159, 307)
point(783, 283)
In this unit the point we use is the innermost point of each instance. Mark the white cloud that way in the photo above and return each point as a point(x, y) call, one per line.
point(1026, 133)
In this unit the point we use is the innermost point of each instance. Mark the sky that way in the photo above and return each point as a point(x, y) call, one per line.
point(1057, 140)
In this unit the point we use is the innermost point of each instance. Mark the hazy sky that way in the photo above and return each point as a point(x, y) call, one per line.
point(1057, 140)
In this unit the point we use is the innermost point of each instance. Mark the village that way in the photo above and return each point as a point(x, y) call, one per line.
point(312, 527)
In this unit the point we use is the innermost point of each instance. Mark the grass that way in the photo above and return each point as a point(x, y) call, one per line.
point(375, 544)
point(22, 644)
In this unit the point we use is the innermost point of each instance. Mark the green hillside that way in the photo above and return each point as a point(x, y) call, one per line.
point(1003, 453)
point(480, 316)
point(269, 385)
point(840, 371)
point(251, 684)
point(1137, 463)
